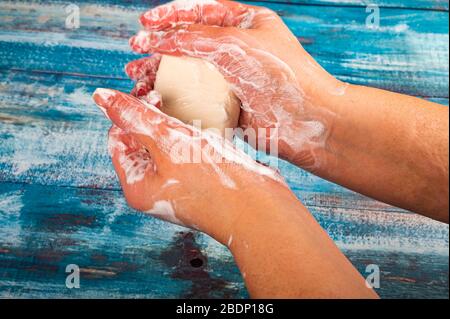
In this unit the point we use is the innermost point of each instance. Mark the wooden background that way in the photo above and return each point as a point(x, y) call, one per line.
point(60, 202)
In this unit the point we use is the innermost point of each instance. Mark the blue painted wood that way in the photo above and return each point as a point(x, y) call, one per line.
point(442, 5)
point(71, 210)
point(123, 253)
point(410, 4)
point(45, 115)
point(411, 45)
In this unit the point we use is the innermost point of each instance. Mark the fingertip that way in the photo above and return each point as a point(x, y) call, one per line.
point(135, 70)
point(142, 68)
point(140, 43)
point(143, 19)
point(103, 98)
point(132, 42)
point(131, 69)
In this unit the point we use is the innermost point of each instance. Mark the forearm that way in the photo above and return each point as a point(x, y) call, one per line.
point(388, 146)
point(283, 252)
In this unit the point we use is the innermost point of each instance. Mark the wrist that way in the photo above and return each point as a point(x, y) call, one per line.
point(259, 211)
point(315, 82)
point(312, 127)
point(252, 207)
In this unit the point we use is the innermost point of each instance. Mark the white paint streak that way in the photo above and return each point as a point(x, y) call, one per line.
point(385, 231)
point(11, 205)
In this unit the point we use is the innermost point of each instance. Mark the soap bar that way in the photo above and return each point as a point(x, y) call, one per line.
point(194, 90)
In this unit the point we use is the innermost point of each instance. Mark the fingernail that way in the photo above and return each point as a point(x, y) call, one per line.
point(101, 97)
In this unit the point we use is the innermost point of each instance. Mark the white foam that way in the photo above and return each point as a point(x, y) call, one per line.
point(340, 90)
point(164, 209)
point(230, 240)
point(247, 21)
point(115, 143)
point(170, 182)
point(190, 4)
point(254, 82)
point(135, 165)
point(105, 94)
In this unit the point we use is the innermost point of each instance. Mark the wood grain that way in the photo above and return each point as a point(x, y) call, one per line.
point(337, 37)
point(60, 202)
point(123, 253)
point(435, 5)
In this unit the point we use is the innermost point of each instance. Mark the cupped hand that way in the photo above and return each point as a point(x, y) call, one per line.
point(277, 81)
point(179, 173)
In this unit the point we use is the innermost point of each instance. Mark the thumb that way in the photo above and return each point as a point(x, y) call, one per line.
point(130, 158)
point(146, 123)
point(135, 168)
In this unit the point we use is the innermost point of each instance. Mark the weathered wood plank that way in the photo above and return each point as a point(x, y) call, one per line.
point(442, 5)
point(410, 4)
point(408, 53)
point(52, 133)
point(123, 253)
point(120, 253)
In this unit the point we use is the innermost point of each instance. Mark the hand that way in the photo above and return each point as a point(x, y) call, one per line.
point(279, 84)
point(179, 173)
point(227, 195)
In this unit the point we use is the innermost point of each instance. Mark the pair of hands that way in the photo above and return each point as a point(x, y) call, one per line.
point(268, 70)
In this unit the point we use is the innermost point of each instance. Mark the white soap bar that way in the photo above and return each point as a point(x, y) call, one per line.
point(193, 89)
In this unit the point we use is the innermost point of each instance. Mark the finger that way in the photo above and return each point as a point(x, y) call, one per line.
point(194, 40)
point(142, 87)
point(135, 168)
point(199, 41)
point(209, 12)
point(152, 97)
point(143, 71)
point(143, 67)
point(251, 71)
point(150, 126)
point(130, 158)
point(219, 46)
